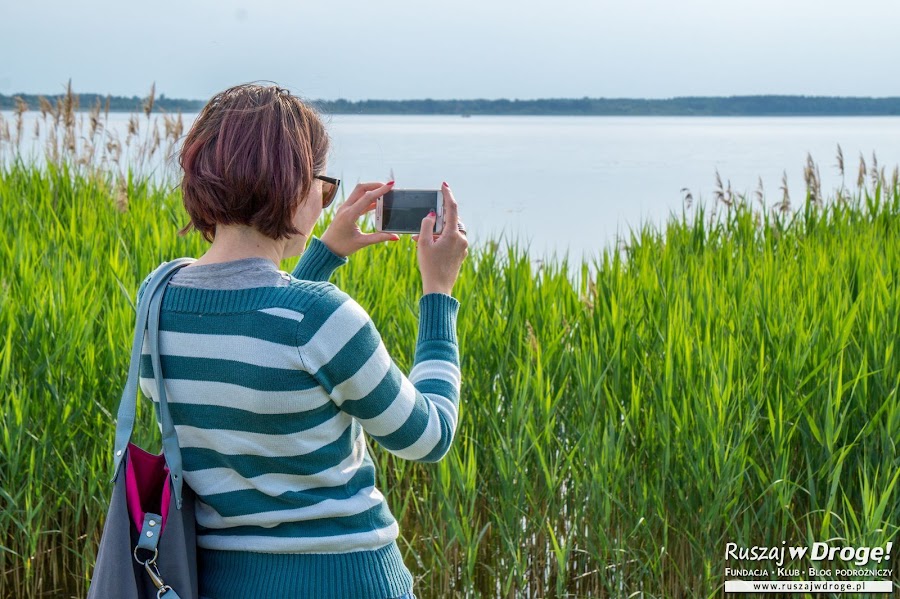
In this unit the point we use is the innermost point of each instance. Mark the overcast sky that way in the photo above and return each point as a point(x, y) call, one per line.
point(404, 49)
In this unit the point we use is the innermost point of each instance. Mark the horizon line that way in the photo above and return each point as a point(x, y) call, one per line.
point(483, 99)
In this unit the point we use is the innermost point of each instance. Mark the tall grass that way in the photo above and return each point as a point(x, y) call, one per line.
point(717, 379)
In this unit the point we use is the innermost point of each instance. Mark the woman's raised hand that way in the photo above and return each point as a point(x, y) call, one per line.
point(343, 236)
point(441, 256)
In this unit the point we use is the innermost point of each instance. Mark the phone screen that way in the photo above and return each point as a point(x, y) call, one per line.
point(404, 209)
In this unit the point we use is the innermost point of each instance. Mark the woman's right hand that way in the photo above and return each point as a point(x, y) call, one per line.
point(441, 256)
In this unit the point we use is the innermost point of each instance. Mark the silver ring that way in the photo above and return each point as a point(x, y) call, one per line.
point(462, 228)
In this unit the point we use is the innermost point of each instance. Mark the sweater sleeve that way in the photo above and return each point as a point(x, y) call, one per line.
point(318, 262)
point(412, 417)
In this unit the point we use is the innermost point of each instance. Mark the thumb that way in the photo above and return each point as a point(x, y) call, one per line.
point(427, 229)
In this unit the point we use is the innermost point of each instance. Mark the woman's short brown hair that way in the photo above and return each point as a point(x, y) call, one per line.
point(250, 158)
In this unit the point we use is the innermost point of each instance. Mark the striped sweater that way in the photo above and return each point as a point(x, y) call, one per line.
point(273, 380)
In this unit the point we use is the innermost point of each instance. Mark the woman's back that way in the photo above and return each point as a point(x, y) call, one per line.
point(271, 380)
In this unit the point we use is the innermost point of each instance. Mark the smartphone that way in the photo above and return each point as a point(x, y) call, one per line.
point(402, 210)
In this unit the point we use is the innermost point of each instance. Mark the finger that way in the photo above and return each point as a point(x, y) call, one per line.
point(451, 212)
point(372, 238)
point(371, 206)
point(365, 203)
point(379, 191)
point(427, 230)
point(361, 190)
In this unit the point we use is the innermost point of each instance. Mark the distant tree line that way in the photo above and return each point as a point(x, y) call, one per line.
point(115, 103)
point(684, 106)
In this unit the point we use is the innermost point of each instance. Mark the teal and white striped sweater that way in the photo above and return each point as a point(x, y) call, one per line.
point(271, 387)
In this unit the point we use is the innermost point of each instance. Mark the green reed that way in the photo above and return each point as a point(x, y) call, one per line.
point(715, 379)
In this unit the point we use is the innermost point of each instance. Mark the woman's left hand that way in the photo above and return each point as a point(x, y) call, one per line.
point(343, 236)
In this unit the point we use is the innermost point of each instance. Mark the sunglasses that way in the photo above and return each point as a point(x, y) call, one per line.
point(329, 189)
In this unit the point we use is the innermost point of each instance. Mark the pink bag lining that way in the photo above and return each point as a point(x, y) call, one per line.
point(147, 484)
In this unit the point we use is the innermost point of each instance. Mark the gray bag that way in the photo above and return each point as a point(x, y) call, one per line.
point(157, 558)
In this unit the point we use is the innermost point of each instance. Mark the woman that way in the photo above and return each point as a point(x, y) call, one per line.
point(273, 378)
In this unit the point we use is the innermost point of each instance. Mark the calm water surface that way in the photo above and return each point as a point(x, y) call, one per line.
point(570, 185)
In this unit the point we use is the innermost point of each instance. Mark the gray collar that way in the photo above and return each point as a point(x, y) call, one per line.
point(234, 274)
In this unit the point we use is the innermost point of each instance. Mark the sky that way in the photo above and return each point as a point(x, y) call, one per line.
point(463, 49)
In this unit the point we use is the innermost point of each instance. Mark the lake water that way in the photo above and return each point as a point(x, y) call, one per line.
point(572, 184)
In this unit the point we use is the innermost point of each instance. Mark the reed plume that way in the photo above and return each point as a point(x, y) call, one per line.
point(83, 139)
point(722, 193)
point(46, 107)
point(95, 117)
point(760, 194)
point(785, 203)
point(873, 172)
point(813, 180)
point(4, 130)
point(148, 103)
point(20, 110)
point(688, 197)
point(121, 195)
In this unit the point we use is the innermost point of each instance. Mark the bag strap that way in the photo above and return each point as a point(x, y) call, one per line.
point(148, 318)
point(170, 440)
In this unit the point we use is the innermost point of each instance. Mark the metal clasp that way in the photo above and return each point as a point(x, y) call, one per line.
point(152, 559)
point(155, 576)
point(153, 571)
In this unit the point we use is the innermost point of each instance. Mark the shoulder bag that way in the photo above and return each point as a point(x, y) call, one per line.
point(148, 548)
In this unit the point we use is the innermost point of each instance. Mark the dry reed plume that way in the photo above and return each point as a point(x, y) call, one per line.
point(877, 178)
point(91, 147)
